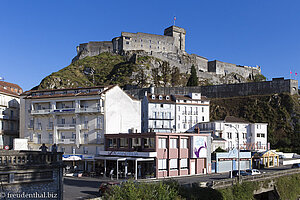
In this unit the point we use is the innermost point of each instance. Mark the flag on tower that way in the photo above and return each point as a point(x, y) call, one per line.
point(290, 71)
point(174, 20)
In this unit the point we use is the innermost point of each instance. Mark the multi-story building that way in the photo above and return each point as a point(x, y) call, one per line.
point(158, 113)
point(236, 131)
point(76, 119)
point(156, 155)
point(9, 113)
point(190, 110)
point(173, 113)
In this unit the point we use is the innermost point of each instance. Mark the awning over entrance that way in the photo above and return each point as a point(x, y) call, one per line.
point(125, 159)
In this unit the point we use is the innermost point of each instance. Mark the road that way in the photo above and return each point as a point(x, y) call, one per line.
point(87, 187)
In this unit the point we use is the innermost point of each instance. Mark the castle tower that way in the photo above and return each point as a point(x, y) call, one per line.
point(179, 36)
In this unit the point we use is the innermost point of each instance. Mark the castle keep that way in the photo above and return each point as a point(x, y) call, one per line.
point(169, 47)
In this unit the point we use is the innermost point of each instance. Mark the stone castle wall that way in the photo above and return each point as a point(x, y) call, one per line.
point(169, 47)
point(277, 85)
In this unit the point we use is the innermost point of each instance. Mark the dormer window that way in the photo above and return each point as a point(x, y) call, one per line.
point(153, 96)
point(160, 97)
point(167, 97)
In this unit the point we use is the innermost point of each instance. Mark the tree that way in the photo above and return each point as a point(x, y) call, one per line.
point(165, 72)
point(193, 79)
point(156, 77)
point(175, 76)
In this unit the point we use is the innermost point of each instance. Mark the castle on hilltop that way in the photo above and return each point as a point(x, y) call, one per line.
point(170, 47)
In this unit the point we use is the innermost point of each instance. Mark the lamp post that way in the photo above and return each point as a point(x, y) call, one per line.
point(239, 171)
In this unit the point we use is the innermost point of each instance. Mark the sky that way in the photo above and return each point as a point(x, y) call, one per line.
point(39, 37)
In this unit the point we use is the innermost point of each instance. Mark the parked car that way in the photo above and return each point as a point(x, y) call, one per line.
point(296, 165)
point(253, 171)
point(106, 186)
point(236, 173)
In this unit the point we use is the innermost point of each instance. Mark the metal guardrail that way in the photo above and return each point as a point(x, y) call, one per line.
point(264, 176)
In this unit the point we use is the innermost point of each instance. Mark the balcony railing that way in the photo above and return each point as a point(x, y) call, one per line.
point(66, 126)
point(41, 112)
point(89, 110)
point(66, 141)
point(64, 110)
point(14, 158)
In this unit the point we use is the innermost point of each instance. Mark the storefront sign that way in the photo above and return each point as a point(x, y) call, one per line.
point(199, 147)
point(130, 154)
point(68, 157)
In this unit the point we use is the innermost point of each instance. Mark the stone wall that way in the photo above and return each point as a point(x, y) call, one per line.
point(31, 175)
point(277, 85)
point(93, 49)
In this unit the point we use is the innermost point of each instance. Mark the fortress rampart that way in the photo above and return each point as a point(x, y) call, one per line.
point(277, 85)
point(169, 47)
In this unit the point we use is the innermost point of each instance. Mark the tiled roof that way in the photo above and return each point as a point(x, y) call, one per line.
point(232, 119)
point(187, 97)
point(28, 94)
point(10, 88)
point(63, 89)
point(162, 100)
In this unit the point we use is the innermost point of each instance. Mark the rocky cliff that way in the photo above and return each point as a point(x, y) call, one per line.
point(135, 68)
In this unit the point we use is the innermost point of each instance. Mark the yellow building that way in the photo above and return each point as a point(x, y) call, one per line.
point(265, 159)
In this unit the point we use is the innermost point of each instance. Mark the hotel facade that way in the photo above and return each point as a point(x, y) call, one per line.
point(77, 119)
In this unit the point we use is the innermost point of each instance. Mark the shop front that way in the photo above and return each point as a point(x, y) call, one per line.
point(265, 159)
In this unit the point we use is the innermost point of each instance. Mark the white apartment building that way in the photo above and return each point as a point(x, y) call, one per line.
point(249, 136)
point(173, 113)
point(76, 119)
point(9, 113)
point(158, 113)
point(190, 110)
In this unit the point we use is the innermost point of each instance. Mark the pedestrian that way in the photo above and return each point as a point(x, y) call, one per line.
point(54, 148)
point(43, 148)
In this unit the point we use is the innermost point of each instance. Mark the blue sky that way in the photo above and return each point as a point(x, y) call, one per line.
point(40, 37)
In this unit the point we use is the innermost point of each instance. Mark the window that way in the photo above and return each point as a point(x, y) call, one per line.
point(173, 164)
point(184, 142)
point(161, 105)
point(178, 126)
point(85, 150)
point(244, 135)
point(73, 150)
point(98, 137)
point(148, 142)
point(62, 149)
point(184, 163)
point(50, 138)
point(258, 134)
point(178, 108)
point(162, 143)
point(229, 135)
point(127, 42)
point(73, 135)
point(63, 121)
point(136, 142)
point(203, 118)
point(73, 120)
point(123, 142)
point(262, 135)
point(162, 164)
point(99, 122)
point(173, 143)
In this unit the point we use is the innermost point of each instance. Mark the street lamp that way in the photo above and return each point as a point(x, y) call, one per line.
point(239, 171)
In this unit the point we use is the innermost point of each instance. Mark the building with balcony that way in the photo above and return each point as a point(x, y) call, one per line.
point(77, 119)
point(9, 113)
point(173, 113)
point(156, 155)
point(249, 136)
